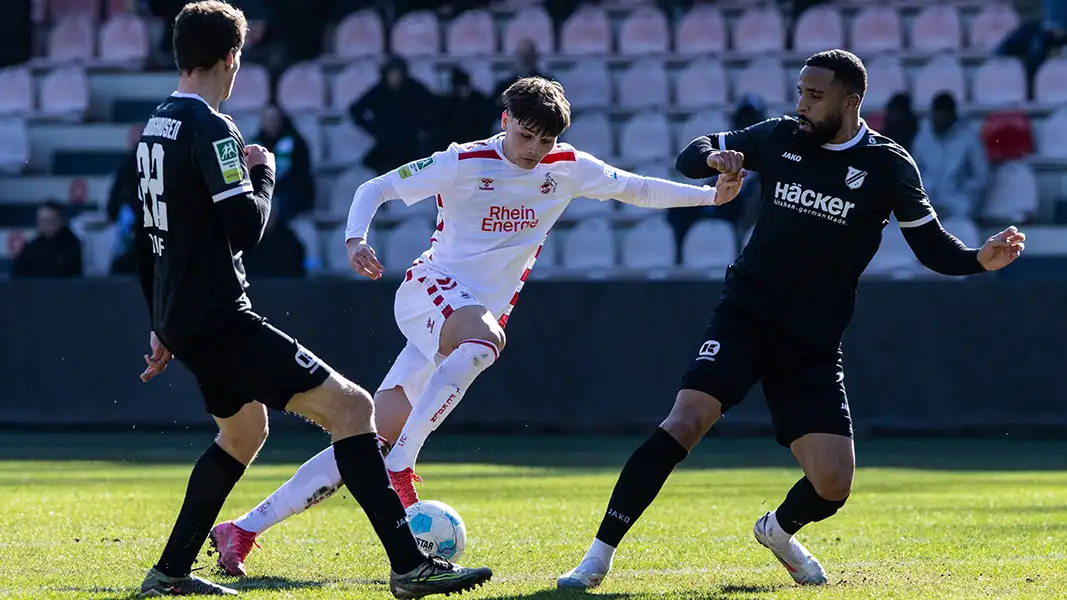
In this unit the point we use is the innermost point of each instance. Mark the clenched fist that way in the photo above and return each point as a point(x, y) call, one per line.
point(726, 161)
point(258, 155)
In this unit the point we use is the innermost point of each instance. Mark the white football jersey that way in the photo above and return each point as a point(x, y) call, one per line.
point(492, 216)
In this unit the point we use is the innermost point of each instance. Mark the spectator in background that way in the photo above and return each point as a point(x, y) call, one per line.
point(16, 31)
point(279, 254)
point(123, 209)
point(466, 114)
point(1034, 42)
point(399, 113)
point(294, 186)
point(901, 124)
point(526, 65)
point(55, 252)
point(951, 160)
point(741, 212)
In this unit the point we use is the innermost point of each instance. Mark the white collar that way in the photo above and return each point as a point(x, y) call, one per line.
point(855, 140)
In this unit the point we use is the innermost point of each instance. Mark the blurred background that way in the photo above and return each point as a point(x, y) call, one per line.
point(343, 90)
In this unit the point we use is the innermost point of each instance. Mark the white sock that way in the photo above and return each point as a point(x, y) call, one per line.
point(775, 532)
point(602, 551)
point(313, 482)
point(444, 389)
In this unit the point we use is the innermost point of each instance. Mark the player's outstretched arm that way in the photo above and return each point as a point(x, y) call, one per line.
point(701, 160)
point(598, 180)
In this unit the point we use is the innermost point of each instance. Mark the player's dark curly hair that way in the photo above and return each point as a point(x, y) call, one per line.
point(848, 69)
point(205, 32)
point(538, 105)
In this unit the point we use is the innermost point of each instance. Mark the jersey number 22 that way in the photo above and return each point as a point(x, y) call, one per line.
point(150, 191)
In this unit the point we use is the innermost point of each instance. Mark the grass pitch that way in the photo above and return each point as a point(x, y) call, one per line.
point(85, 515)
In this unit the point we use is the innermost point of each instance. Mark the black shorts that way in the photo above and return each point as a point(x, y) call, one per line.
point(804, 384)
point(251, 360)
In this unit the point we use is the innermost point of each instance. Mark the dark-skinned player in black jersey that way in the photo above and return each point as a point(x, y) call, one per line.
point(829, 187)
point(206, 199)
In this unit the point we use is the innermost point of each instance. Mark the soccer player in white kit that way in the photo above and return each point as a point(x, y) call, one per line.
point(496, 199)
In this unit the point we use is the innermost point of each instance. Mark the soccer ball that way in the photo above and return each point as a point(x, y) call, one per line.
point(438, 529)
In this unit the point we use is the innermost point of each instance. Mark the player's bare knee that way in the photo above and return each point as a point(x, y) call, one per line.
point(693, 414)
point(833, 483)
point(349, 408)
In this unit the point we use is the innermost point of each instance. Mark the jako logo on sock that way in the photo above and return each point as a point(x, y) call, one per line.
point(614, 513)
point(444, 407)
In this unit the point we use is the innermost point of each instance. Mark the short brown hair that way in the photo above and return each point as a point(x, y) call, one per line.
point(538, 105)
point(205, 32)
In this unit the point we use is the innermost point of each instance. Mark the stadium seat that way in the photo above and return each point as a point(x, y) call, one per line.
point(885, 77)
point(581, 208)
point(698, 124)
point(644, 85)
point(548, 257)
point(646, 136)
point(759, 31)
point(345, 186)
point(481, 72)
point(942, 74)
point(18, 97)
point(302, 88)
point(1007, 136)
point(818, 28)
point(590, 245)
point(334, 253)
point(64, 93)
point(644, 32)
point(709, 244)
point(426, 73)
point(14, 145)
point(1052, 135)
point(305, 231)
point(937, 29)
point(351, 83)
point(1012, 196)
point(72, 39)
point(405, 243)
point(701, 31)
point(416, 34)
point(58, 9)
point(763, 77)
point(588, 84)
point(876, 29)
point(1050, 82)
point(965, 229)
point(98, 244)
point(586, 32)
point(648, 245)
point(531, 23)
point(991, 25)
point(894, 257)
point(999, 81)
point(124, 41)
point(308, 126)
point(251, 90)
point(701, 83)
point(591, 132)
point(360, 35)
point(471, 33)
point(346, 143)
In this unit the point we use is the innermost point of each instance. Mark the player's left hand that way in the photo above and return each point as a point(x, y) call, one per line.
point(728, 186)
point(1002, 249)
point(157, 362)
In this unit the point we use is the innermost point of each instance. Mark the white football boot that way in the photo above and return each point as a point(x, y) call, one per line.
point(802, 566)
point(587, 575)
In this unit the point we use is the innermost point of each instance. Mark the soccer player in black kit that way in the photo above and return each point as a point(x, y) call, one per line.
point(829, 185)
point(206, 199)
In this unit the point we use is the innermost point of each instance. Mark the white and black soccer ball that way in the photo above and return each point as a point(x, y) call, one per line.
point(438, 529)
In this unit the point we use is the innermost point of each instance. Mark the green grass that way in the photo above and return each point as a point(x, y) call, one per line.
point(83, 516)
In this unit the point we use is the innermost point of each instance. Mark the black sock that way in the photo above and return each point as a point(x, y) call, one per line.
point(640, 481)
point(803, 505)
point(363, 471)
point(213, 476)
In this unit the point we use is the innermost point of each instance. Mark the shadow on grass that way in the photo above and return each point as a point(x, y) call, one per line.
point(1003, 453)
point(724, 592)
point(282, 583)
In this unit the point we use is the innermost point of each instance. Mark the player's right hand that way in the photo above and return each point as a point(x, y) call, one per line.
point(362, 259)
point(726, 161)
point(258, 155)
point(157, 362)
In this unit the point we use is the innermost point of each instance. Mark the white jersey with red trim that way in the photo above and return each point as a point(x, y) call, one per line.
point(493, 216)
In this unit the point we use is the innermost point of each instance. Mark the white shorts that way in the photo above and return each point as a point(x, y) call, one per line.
point(423, 301)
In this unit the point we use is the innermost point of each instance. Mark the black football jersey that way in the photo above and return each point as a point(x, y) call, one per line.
point(190, 159)
point(820, 222)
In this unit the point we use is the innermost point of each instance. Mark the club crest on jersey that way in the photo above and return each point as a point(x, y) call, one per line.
point(487, 184)
point(549, 186)
point(854, 179)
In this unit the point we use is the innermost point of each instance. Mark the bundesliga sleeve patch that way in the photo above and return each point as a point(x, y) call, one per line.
point(229, 157)
point(414, 167)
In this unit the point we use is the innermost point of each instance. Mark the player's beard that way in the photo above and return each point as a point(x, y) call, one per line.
point(820, 132)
